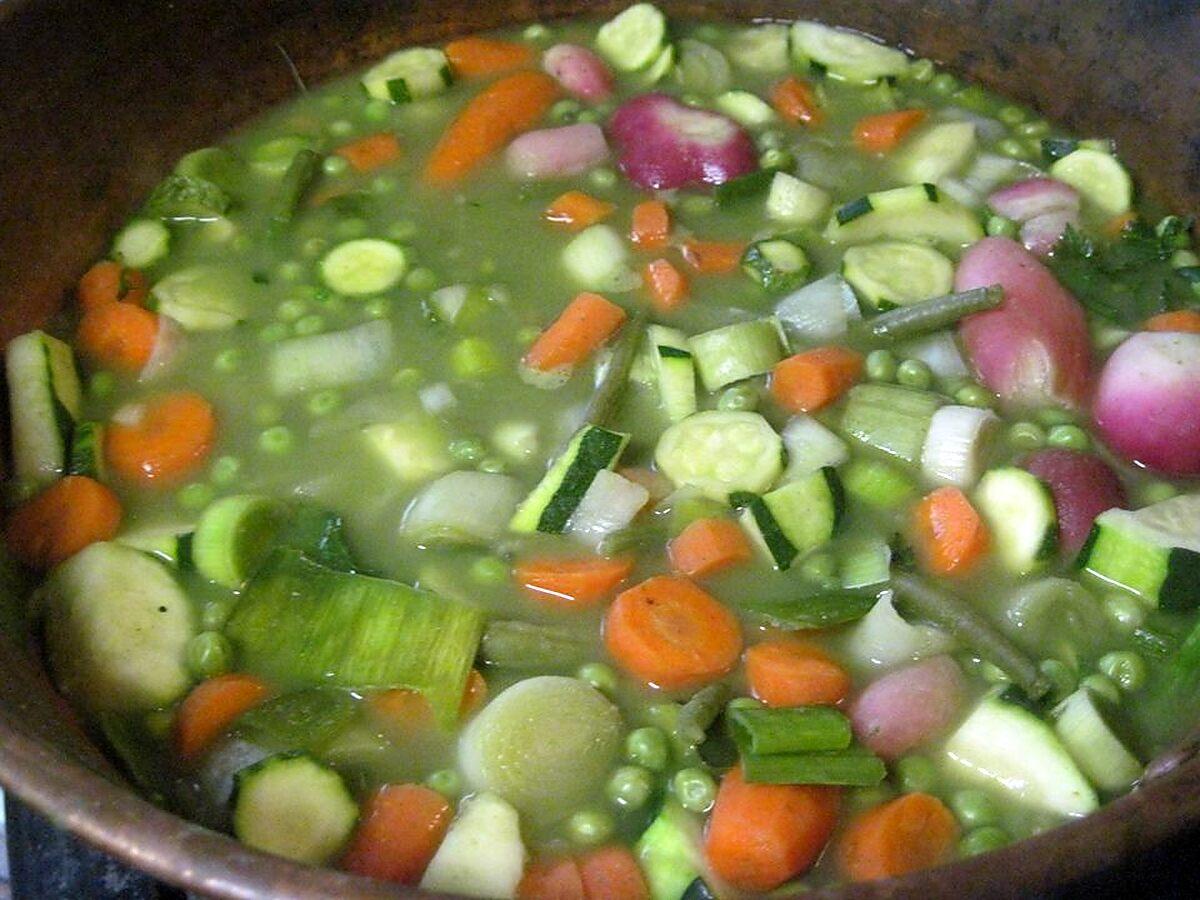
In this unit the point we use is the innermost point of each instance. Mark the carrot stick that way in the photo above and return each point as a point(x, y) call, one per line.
point(576, 210)
point(588, 321)
point(572, 583)
point(399, 831)
point(761, 835)
point(1178, 320)
point(789, 672)
point(54, 525)
point(713, 257)
point(552, 879)
point(948, 535)
point(211, 707)
point(474, 694)
point(403, 709)
point(474, 56)
point(912, 832)
point(707, 546)
point(161, 440)
point(610, 873)
point(503, 110)
point(118, 336)
point(813, 379)
point(667, 285)
point(795, 101)
point(651, 225)
point(109, 282)
point(371, 152)
point(884, 132)
point(669, 633)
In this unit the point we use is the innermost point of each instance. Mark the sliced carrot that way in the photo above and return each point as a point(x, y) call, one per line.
point(815, 378)
point(572, 583)
point(497, 114)
point(474, 694)
point(651, 226)
point(582, 328)
point(212, 706)
point(707, 546)
point(371, 152)
point(883, 132)
point(473, 56)
point(796, 102)
point(118, 336)
point(404, 709)
point(1178, 320)
point(713, 257)
point(667, 285)
point(912, 832)
point(1115, 226)
point(161, 440)
point(552, 879)
point(790, 672)
point(110, 282)
point(669, 633)
point(611, 873)
point(54, 525)
point(761, 835)
point(576, 210)
point(399, 831)
point(949, 537)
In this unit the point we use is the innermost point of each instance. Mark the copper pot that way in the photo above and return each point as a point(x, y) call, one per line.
point(98, 99)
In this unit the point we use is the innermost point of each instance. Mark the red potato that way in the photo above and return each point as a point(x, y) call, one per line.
point(909, 706)
point(581, 72)
point(662, 144)
point(1034, 348)
point(557, 152)
point(1083, 486)
point(1147, 401)
point(1033, 197)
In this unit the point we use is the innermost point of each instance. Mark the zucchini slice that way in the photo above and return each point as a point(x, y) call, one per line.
point(936, 152)
point(1099, 177)
point(142, 243)
point(897, 273)
point(45, 399)
point(548, 506)
point(915, 213)
point(739, 351)
point(795, 519)
point(363, 266)
point(845, 54)
point(891, 419)
point(777, 265)
point(87, 451)
point(234, 535)
point(634, 39)
point(1085, 731)
point(1019, 511)
point(720, 453)
point(407, 75)
point(675, 370)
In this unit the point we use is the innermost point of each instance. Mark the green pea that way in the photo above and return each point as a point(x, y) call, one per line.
point(587, 115)
point(446, 782)
point(565, 110)
point(489, 570)
point(377, 111)
point(335, 165)
point(322, 403)
point(1068, 437)
point(473, 357)
point(776, 158)
point(1050, 416)
point(493, 465)
point(629, 787)
point(974, 808)
point(881, 365)
point(196, 495)
point(158, 723)
point(215, 613)
point(600, 676)
point(974, 395)
point(695, 789)
point(870, 797)
point(589, 827)
point(209, 654)
point(999, 225)
point(290, 310)
point(1011, 115)
point(1037, 128)
point(102, 384)
point(228, 360)
point(224, 469)
point(1156, 491)
point(1127, 612)
point(1013, 148)
point(648, 747)
point(277, 440)
point(340, 127)
point(1026, 435)
point(819, 567)
point(738, 397)
point(267, 413)
point(1124, 667)
point(914, 373)
point(916, 774)
point(697, 204)
point(270, 334)
point(944, 83)
point(921, 71)
point(384, 184)
point(1062, 677)
point(403, 230)
point(537, 32)
point(603, 178)
point(421, 280)
point(1103, 686)
point(466, 450)
point(692, 100)
point(983, 840)
point(771, 140)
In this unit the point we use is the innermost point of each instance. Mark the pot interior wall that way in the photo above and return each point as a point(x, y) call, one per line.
point(98, 100)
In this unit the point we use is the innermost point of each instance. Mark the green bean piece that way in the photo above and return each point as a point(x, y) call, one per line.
point(525, 646)
point(931, 315)
point(916, 774)
point(648, 747)
point(1062, 677)
point(789, 730)
point(823, 610)
point(629, 787)
point(974, 808)
point(1103, 686)
point(600, 676)
point(695, 789)
point(854, 767)
point(698, 714)
point(607, 396)
point(300, 174)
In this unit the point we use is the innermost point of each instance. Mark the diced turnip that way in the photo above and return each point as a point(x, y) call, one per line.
point(1041, 233)
point(557, 152)
point(581, 72)
point(910, 706)
point(1034, 348)
point(1033, 197)
point(1147, 401)
point(662, 144)
point(1083, 486)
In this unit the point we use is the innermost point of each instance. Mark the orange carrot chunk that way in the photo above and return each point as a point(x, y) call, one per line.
point(399, 831)
point(211, 707)
point(611, 873)
point(572, 583)
point(789, 672)
point(552, 879)
point(949, 537)
point(402, 709)
point(54, 525)
point(162, 440)
point(813, 379)
point(109, 282)
point(707, 546)
point(588, 321)
point(576, 210)
point(884, 132)
point(667, 285)
point(371, 152)
point(501, 111)
point(795, 101)
point(713, 257)
point(912, 832)
point(1178, 320)
point(651, 226)
point(474, 694)
point(669, 633)
point(761, 835)
point(474, 56)
point(118, 336)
